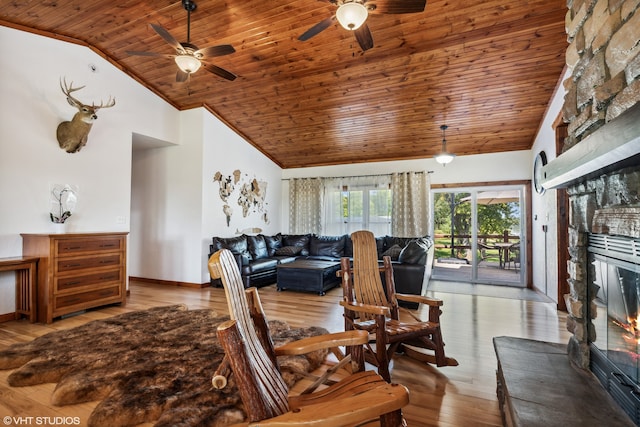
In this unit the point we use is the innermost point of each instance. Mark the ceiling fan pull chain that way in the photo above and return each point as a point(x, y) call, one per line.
point(189, 26)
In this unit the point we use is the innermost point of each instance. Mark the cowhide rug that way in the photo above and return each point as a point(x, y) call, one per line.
point(146, 366)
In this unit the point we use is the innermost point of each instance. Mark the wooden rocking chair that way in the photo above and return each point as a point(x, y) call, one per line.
point(373, 308)
point(360, 397)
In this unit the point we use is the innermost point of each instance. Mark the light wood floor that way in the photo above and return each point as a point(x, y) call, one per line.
point(452, 396)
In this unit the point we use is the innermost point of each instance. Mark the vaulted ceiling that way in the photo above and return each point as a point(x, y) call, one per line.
point(485, 68)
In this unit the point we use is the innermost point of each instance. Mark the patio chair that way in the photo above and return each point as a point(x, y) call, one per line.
point(372, 308)
point(483, 248)
point(513, 256)
point(358, 398)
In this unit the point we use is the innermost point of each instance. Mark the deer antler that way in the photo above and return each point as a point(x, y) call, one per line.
point(110, 103)
point(67, 89)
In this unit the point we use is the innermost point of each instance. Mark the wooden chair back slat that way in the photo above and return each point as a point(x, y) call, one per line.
point(266, 390)
point(366, 281)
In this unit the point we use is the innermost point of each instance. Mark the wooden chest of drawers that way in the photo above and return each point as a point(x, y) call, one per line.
point(77, 271)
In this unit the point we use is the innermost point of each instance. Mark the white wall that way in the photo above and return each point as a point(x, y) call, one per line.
point(32, 105)
point(176, 209)
point(544, 207)
point(166, 187)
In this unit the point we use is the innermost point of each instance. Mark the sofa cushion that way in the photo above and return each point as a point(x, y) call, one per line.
point(257, 247)
point(284, 259)
point(259, 265)
point(273, 242)
point(414, 253)
point(288, 251)
point(393, 252)
point(237, 246)
point(390, 241)
point(301, 240)
point(327, 246)
point(348, 246)
point(380, 246)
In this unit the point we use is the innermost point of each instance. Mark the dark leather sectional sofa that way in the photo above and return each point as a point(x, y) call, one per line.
point(258, 256)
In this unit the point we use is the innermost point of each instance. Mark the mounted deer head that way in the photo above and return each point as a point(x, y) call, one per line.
point(72, 136)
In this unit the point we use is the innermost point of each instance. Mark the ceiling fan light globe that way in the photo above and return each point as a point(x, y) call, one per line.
point(444, 158)
point(187, 63)
point(352, 15)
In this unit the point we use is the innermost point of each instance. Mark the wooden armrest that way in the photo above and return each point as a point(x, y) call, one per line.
point(307, 345)
point(434, 302)
point(365, 308)
point(356, 402)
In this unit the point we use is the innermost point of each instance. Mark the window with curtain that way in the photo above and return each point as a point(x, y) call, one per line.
point(357, 203)
point(395, 204)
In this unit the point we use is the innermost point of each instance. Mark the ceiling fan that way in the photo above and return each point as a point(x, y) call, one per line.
point(188, 57)
point(352, 14)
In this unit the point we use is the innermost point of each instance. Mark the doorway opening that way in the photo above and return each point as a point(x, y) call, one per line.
point(479, 235)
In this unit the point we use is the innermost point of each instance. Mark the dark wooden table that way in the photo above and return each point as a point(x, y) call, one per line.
point(308, 275)
point(26, 269)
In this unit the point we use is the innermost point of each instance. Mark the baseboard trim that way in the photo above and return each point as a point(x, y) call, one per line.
point(8, 317)
point(170, 282)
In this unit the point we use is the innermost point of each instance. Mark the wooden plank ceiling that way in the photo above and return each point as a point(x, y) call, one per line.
point(485, 68)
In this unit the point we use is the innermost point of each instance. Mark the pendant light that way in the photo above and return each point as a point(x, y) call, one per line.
point(443, 157)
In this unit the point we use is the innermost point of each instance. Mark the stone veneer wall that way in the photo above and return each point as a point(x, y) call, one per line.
point(604, 57)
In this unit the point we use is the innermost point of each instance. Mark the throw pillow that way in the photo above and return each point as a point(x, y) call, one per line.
point(288, 250)
point(297, 240)
point(327, 246)
point(393, 252)
point(257, 247)
point(414, 253)
point(273, 243)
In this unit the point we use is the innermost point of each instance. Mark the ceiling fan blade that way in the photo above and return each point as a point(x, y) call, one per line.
point(181, 76)
point(219, 71)
point(223, 49)
point(364, 37)
point(397, 6)
point(167, 37)
point(320, 26)
point(135, 52)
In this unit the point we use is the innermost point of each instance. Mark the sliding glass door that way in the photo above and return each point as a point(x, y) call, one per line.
point(479, 235)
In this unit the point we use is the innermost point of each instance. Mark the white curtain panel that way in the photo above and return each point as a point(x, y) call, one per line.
point(333, 223)
point(305, 205)
point(410, 211)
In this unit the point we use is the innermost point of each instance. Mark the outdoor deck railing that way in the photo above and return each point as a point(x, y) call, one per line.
point(484, 238)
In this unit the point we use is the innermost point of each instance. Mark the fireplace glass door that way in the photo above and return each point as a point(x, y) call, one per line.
point(616, 321)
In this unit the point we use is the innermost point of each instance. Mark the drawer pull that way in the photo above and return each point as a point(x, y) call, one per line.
point(72, 248)
point(108, 245)
point(72, 283)
point(107, 261)
point(73, 265)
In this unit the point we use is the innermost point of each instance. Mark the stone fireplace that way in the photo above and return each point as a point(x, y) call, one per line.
point(600, 163)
